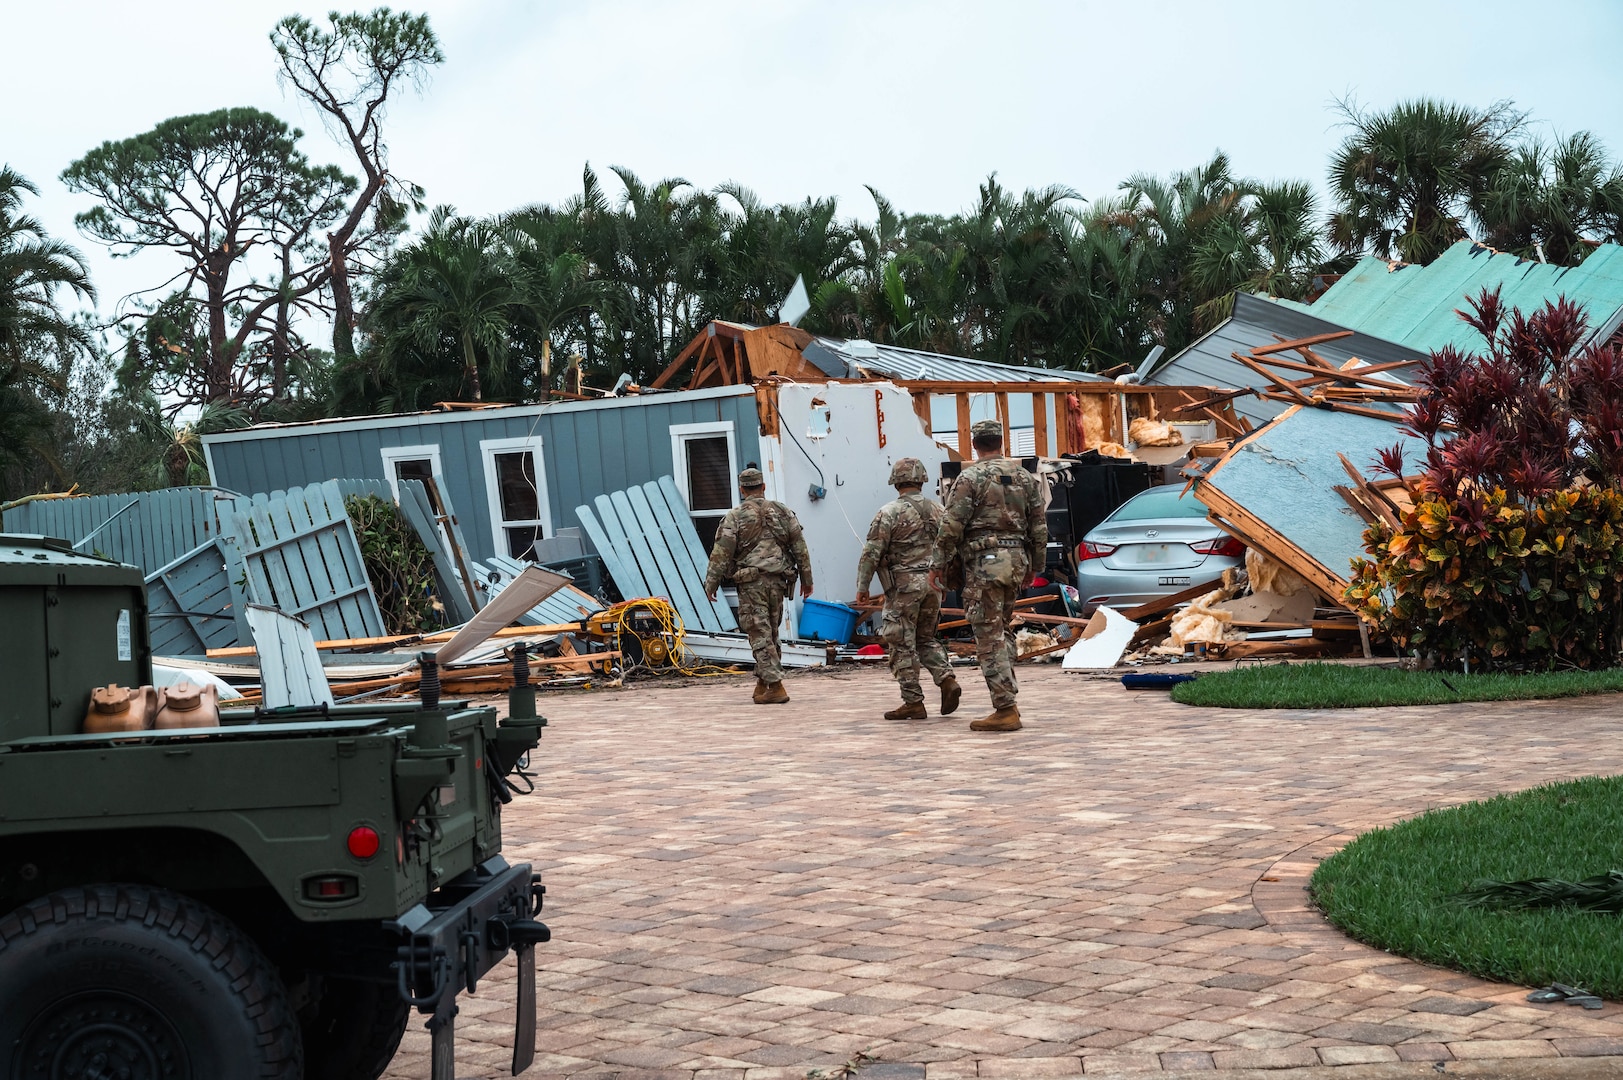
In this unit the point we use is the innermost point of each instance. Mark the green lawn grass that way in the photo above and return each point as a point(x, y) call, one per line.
point(1388, 887)
point(1345, 686)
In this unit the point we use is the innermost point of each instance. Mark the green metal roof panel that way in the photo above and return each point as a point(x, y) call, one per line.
point(1417, 305)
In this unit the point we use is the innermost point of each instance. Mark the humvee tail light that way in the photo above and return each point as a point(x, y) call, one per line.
point(363, 842)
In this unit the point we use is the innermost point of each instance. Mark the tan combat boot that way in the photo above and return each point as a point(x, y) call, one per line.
point(773, 694)
point(950, 693)
point(760, 691)
point(1004, 719)
point(909, 710)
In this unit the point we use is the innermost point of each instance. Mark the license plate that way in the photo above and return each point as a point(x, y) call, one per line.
point(1172, 581)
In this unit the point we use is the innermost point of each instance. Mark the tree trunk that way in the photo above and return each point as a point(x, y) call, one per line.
point(218, 382)
point(343, 301)
point(471, 363)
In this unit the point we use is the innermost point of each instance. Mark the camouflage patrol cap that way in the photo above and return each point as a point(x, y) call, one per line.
point(986, 427)
point(751, 478)
point(909, 470)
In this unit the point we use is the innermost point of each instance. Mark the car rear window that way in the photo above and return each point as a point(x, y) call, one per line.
point(1161, 502)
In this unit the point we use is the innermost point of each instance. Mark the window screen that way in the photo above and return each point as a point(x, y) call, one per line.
point(710, 487)
point(515, 480)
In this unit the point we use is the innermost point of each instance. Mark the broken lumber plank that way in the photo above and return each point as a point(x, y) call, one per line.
point(407, 639)
point(1300, 343)
point(1167, 603)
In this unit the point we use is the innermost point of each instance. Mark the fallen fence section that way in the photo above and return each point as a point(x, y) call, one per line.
point(149, 529)
point(647, 541)
point(194, 604)
point(290, 671)
point(301, 557)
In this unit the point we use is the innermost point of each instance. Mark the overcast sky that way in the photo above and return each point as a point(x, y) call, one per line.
point(919, 99)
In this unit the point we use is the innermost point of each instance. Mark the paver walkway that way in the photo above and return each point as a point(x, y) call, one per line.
point(746, 893)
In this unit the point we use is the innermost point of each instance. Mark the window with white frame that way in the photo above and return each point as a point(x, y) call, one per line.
point(516, 487)
point(706, 466)
point(412, 463)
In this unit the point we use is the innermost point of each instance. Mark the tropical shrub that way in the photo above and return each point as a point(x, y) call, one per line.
point(397, 563)
point(1513, 548)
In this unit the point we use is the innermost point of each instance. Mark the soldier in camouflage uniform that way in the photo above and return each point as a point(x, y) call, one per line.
point(898, 548)
point(994, 523)
point(760, 546)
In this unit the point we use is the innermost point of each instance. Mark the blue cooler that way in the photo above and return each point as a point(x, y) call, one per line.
point(823, 621)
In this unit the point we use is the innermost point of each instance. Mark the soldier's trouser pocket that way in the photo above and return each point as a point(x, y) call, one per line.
point(1000, 566)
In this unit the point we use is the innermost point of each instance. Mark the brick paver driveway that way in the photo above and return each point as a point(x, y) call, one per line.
point(746, 892)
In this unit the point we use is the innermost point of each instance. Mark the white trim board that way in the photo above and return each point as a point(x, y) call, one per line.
point(488, 449)
point(393, 454)
point(680, 434)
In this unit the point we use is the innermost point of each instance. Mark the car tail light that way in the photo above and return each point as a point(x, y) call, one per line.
point(1086, 551)
point(364, 842)
point(1226, 546)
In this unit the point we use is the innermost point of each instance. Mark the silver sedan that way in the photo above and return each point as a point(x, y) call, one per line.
point(1154, 544)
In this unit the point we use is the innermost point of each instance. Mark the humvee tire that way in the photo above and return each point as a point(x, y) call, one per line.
point(130, 981)
point(352, 1033)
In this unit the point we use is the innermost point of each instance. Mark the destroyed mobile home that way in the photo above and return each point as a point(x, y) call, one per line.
point(1273, 422)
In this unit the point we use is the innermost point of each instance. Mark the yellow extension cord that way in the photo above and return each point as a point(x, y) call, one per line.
point(664, 612)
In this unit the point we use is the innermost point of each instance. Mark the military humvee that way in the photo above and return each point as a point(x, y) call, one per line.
point(265, 899)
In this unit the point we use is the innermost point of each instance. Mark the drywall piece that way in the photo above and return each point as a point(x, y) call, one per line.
point(1272, 608)
point(569, 604)
point(1102, 643)
point(290, 669)
point(519, 596)
point(1285, 477)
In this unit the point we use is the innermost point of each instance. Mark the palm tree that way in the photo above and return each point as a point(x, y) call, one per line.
point(454, 287)
point(1406, 180)
point(33, 267)
point(554, 288)
point(1554, 202)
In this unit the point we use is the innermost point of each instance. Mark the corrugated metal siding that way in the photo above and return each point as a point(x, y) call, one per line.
point(1257, 322)
point(1416, 305)
point(866, 359)
point(588, 449)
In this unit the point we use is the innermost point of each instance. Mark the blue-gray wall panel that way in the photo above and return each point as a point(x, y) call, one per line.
point(587, 452)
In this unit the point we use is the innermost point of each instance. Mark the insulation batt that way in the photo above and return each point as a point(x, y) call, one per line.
point(1269, 575)
point(1146, 432)
point(1203, 621)
point(1110, 449)
point(1027, 642)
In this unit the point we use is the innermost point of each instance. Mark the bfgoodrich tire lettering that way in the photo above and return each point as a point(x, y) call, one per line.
point(141, 984)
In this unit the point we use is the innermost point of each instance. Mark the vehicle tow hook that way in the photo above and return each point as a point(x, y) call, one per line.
point(503, 934)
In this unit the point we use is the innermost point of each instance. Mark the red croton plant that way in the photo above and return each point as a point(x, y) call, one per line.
point(1513, 551)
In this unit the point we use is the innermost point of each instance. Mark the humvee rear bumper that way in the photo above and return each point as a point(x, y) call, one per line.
point(466, 929)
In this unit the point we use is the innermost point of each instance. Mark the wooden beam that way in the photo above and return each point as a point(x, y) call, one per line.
point(1003, 418)
point(1039, 419)
point(921, 409)
point(1276, 381)
point(1341, 374)
point(964, 446)
point(681, 358)
point(1301, 343)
